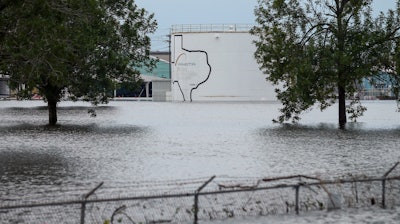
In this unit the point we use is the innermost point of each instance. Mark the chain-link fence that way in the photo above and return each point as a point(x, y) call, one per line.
point(204, 199)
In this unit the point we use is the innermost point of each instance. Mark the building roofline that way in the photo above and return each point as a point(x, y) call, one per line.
point(150, 78)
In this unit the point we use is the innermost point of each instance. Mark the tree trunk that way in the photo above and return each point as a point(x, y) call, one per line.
point(52, 105)
point(342, 107)
point(341, 33)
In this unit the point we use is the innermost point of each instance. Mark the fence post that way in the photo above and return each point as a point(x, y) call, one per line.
point(297, 198)
point(85, 197)
point(196, 199)
point(384, 193)
point(384, 184)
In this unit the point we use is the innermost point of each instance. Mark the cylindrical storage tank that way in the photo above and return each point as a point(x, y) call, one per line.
point(216, 66)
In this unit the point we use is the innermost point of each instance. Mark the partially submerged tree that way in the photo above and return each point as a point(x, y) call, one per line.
point(73, 48)
point(319, 51)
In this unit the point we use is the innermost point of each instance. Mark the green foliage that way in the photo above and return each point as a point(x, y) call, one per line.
point(355, 109)
point(74, 48)
point(315, 51)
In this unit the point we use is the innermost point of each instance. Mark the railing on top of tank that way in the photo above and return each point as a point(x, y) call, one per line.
point(199, 28)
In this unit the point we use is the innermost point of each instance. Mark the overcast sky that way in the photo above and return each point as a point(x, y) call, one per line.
point(172, 12)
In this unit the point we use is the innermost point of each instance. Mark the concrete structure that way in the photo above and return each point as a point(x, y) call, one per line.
point(161, 90)
point(216, 63)
point(155, 87)
point(4, 89)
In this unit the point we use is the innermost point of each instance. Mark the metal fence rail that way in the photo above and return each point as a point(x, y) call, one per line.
point(213, 198)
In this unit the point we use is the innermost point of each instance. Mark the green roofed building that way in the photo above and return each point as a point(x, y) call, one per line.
point(157, 83)
point(161, 70)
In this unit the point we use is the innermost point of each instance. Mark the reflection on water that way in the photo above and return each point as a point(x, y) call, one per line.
point(137, 141)
point(326, 149)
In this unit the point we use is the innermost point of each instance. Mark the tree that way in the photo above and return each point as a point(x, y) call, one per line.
point(80, 49)
point(319, 51)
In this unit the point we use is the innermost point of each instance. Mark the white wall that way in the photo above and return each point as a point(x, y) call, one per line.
point(234, 71)
point(160, 89)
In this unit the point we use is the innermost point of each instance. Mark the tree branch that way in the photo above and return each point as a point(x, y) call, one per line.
point(307, 37)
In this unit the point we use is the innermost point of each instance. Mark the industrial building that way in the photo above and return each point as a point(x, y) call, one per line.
point(159, 78)
point(213, 63)
point(216, 63)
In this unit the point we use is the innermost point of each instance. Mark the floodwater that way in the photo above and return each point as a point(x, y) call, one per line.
point(147, 141)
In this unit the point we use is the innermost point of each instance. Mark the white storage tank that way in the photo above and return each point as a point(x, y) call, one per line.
point(216, 63)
